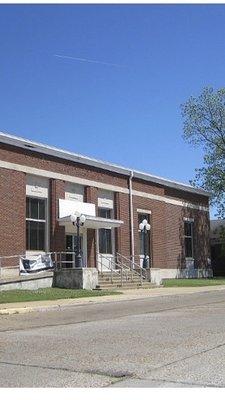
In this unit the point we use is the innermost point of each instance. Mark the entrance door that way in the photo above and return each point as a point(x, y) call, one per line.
point(71, 246)
point(105, 243)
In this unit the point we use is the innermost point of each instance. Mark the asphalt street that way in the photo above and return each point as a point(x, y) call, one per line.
point(170, 341)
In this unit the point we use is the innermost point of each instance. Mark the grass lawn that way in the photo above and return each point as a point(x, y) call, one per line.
point(14, 296)
point(193, 282)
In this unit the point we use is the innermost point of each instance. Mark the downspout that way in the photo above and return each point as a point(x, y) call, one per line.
point(131, 216)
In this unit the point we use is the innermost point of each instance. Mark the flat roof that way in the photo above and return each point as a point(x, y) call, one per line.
point(78, 158)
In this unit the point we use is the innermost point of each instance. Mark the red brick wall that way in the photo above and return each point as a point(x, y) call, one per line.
point(166, 220)
point(157, 233)
point(147, 187)
point(186, 196)
point(175, 236)
point(54, 164)
point(174, 229)
point(12, 213)
point(91, 196)
point(167, 233)
point(122, 234)
point(57, 232)
point(201, 236)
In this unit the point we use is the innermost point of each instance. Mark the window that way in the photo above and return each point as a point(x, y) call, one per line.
point(188, 239)
point(105, 235)
point(74, 191)
point(35, 223)
point(104, 213)
point(141, 235)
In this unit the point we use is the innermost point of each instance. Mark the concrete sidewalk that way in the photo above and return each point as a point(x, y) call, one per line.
point(132, 294)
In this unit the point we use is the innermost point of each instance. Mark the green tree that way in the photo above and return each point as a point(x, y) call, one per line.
point(204, 125)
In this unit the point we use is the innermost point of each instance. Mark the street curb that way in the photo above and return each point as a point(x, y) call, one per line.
point(94, 300)
point(41, 308)
point(23, 310)
point(53, 307)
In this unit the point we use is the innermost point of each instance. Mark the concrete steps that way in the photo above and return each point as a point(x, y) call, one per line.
point(118, 281)
point(130, 281)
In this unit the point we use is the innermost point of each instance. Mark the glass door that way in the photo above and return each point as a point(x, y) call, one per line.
point(71, 246)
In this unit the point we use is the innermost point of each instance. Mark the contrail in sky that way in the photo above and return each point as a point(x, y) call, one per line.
point(88, 61)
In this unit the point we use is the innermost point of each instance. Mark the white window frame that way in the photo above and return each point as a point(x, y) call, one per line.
point(142, 211)
point(74, 192)
point(46, 221)
point(38, 187)
point(106, 199)
point(190, 221)
point(112, 231)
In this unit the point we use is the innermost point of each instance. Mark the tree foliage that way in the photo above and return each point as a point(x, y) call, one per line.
point(204, 125)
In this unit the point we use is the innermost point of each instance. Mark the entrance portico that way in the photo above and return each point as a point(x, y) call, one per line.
point(89, 230)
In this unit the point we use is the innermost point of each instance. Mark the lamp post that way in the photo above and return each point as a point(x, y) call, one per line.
point(144, 227)
point(78, 220)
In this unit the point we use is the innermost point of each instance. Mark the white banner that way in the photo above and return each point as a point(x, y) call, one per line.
point(36, 264)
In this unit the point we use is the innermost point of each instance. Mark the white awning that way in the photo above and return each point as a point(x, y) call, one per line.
point(93, 222)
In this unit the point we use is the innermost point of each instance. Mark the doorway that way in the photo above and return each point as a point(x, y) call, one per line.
point(71, 246)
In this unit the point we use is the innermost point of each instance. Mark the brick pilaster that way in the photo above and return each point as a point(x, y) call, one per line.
point(91, 196)
point(13, 213)
point(57, 232)
point(117, 216)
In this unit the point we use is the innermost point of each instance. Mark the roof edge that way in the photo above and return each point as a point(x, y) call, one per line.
point(31, 145)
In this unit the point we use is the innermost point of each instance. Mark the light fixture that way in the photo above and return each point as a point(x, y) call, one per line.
point(78, 220)
point(82, 218)
point(148, 227)
point(73, 218)
point(141, 226)
point(144, 227)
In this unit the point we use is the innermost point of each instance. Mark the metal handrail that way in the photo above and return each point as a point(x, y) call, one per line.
point(17, 264)
point(132, 264)
point(17, 255)
point(122, 267)
point(133, 271)
point(110, 260)
point(56, 259)
point(129, 260)
point(122, 273)
point(111, 269)
point(59, 260)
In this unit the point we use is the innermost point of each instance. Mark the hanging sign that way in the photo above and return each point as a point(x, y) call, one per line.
point(36, 264)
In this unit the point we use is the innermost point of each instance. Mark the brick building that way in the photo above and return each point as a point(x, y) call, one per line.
point(41, 185)
point(217, 242)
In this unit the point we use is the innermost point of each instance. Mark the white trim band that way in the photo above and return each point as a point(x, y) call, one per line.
point(141, 211)
point(88, 182)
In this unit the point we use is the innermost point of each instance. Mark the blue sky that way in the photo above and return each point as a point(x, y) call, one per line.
point(128, 112)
